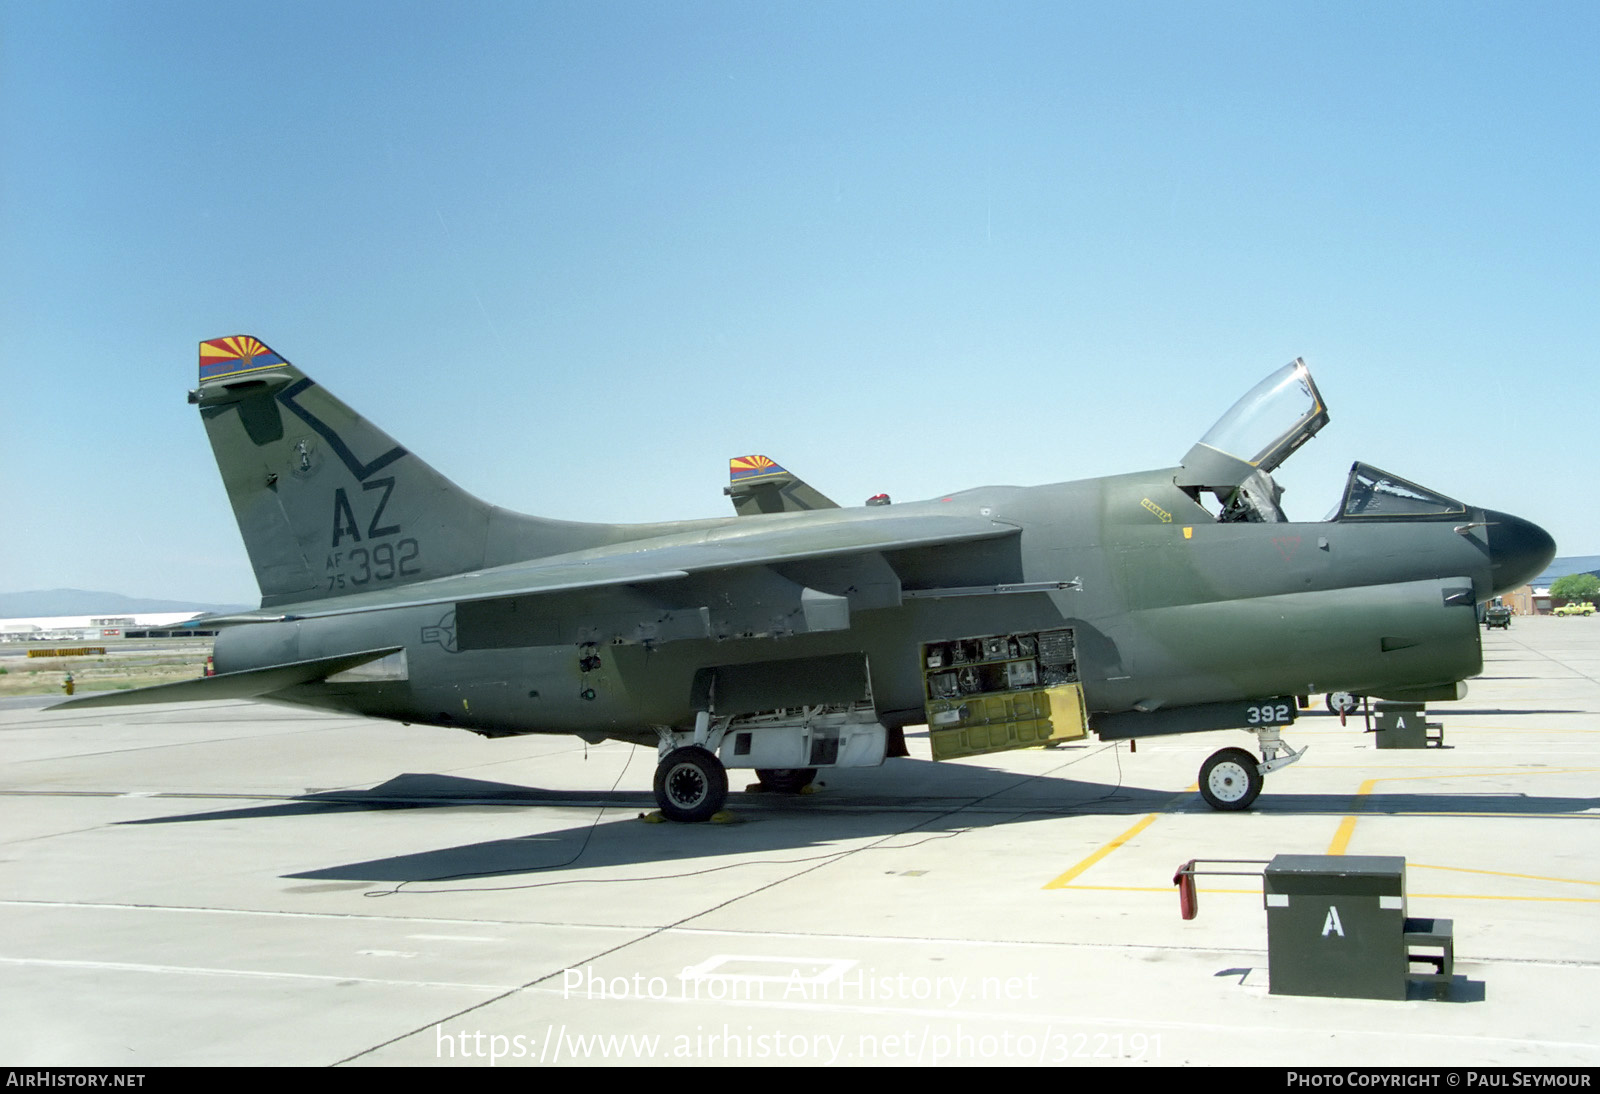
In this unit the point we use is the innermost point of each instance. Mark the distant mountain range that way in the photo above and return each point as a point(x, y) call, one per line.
point(45, 602)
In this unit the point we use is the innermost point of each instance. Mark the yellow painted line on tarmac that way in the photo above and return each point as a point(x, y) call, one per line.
point(1454, 728)
point(1061, 882)
point(1347, 827)
point(1145, 822)
point(1409, 896)
point(1155, 889)
point(1500, 873)
point(1496, 815)
point(1504, 896)
point(1345, 832)
point(1452, 773)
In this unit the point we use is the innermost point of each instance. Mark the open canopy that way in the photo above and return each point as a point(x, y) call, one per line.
point(1273, 419)
point(1235, 458)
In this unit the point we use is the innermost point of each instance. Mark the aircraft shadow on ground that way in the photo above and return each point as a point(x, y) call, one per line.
point(929, 801)
point(1500, 712)
point(1452, 712)
point(919, 786)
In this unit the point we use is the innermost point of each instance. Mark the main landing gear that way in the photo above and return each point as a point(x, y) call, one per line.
point(691, 784)
point(1231, 778)
point(1342, 702)
point(692, 770)
point(785, 780)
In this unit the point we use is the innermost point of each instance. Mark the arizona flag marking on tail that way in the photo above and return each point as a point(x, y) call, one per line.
point(751, 468)
point(229, 356)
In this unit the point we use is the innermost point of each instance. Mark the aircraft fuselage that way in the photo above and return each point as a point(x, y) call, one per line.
point(798, 635)
point(1171, 609)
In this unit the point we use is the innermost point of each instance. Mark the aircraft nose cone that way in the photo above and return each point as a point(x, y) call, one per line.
point(1519, 550)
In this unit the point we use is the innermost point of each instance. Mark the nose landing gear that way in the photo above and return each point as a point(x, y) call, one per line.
point(1231, 778)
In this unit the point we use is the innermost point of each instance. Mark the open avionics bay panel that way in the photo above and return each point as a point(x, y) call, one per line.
point(1003, 691)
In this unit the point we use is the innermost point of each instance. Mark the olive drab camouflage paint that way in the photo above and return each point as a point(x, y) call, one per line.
point(796, 635)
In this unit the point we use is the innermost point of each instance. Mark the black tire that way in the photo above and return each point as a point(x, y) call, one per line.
point(1230, 780)
point(691, 784)
point(785, 780)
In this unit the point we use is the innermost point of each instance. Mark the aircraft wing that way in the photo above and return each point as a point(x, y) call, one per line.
point(679, 575)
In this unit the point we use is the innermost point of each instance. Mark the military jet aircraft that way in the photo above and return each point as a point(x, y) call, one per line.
point(797, 635)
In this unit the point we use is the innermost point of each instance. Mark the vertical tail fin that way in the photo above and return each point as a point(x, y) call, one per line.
point(758, 485)
point(329, 504)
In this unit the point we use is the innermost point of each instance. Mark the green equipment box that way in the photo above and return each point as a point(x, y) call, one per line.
point(1405, 725)
point(1336, 925)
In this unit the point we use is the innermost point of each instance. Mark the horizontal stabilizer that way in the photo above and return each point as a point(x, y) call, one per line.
point(250, 684)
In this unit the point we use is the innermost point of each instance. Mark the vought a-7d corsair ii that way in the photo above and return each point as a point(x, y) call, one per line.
point(796, 635)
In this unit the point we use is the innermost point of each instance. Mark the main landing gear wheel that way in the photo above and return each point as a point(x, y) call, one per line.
point(1342, 702)
point(691, 784)
point(785, 780)
point(1230, 779)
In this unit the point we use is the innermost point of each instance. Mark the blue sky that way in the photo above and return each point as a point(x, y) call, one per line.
point(576, 255)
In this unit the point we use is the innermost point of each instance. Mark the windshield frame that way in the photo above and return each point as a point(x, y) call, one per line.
point(1444, 506)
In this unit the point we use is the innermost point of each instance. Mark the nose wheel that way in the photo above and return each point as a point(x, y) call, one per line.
point(691, 784)
point(1230, 779)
